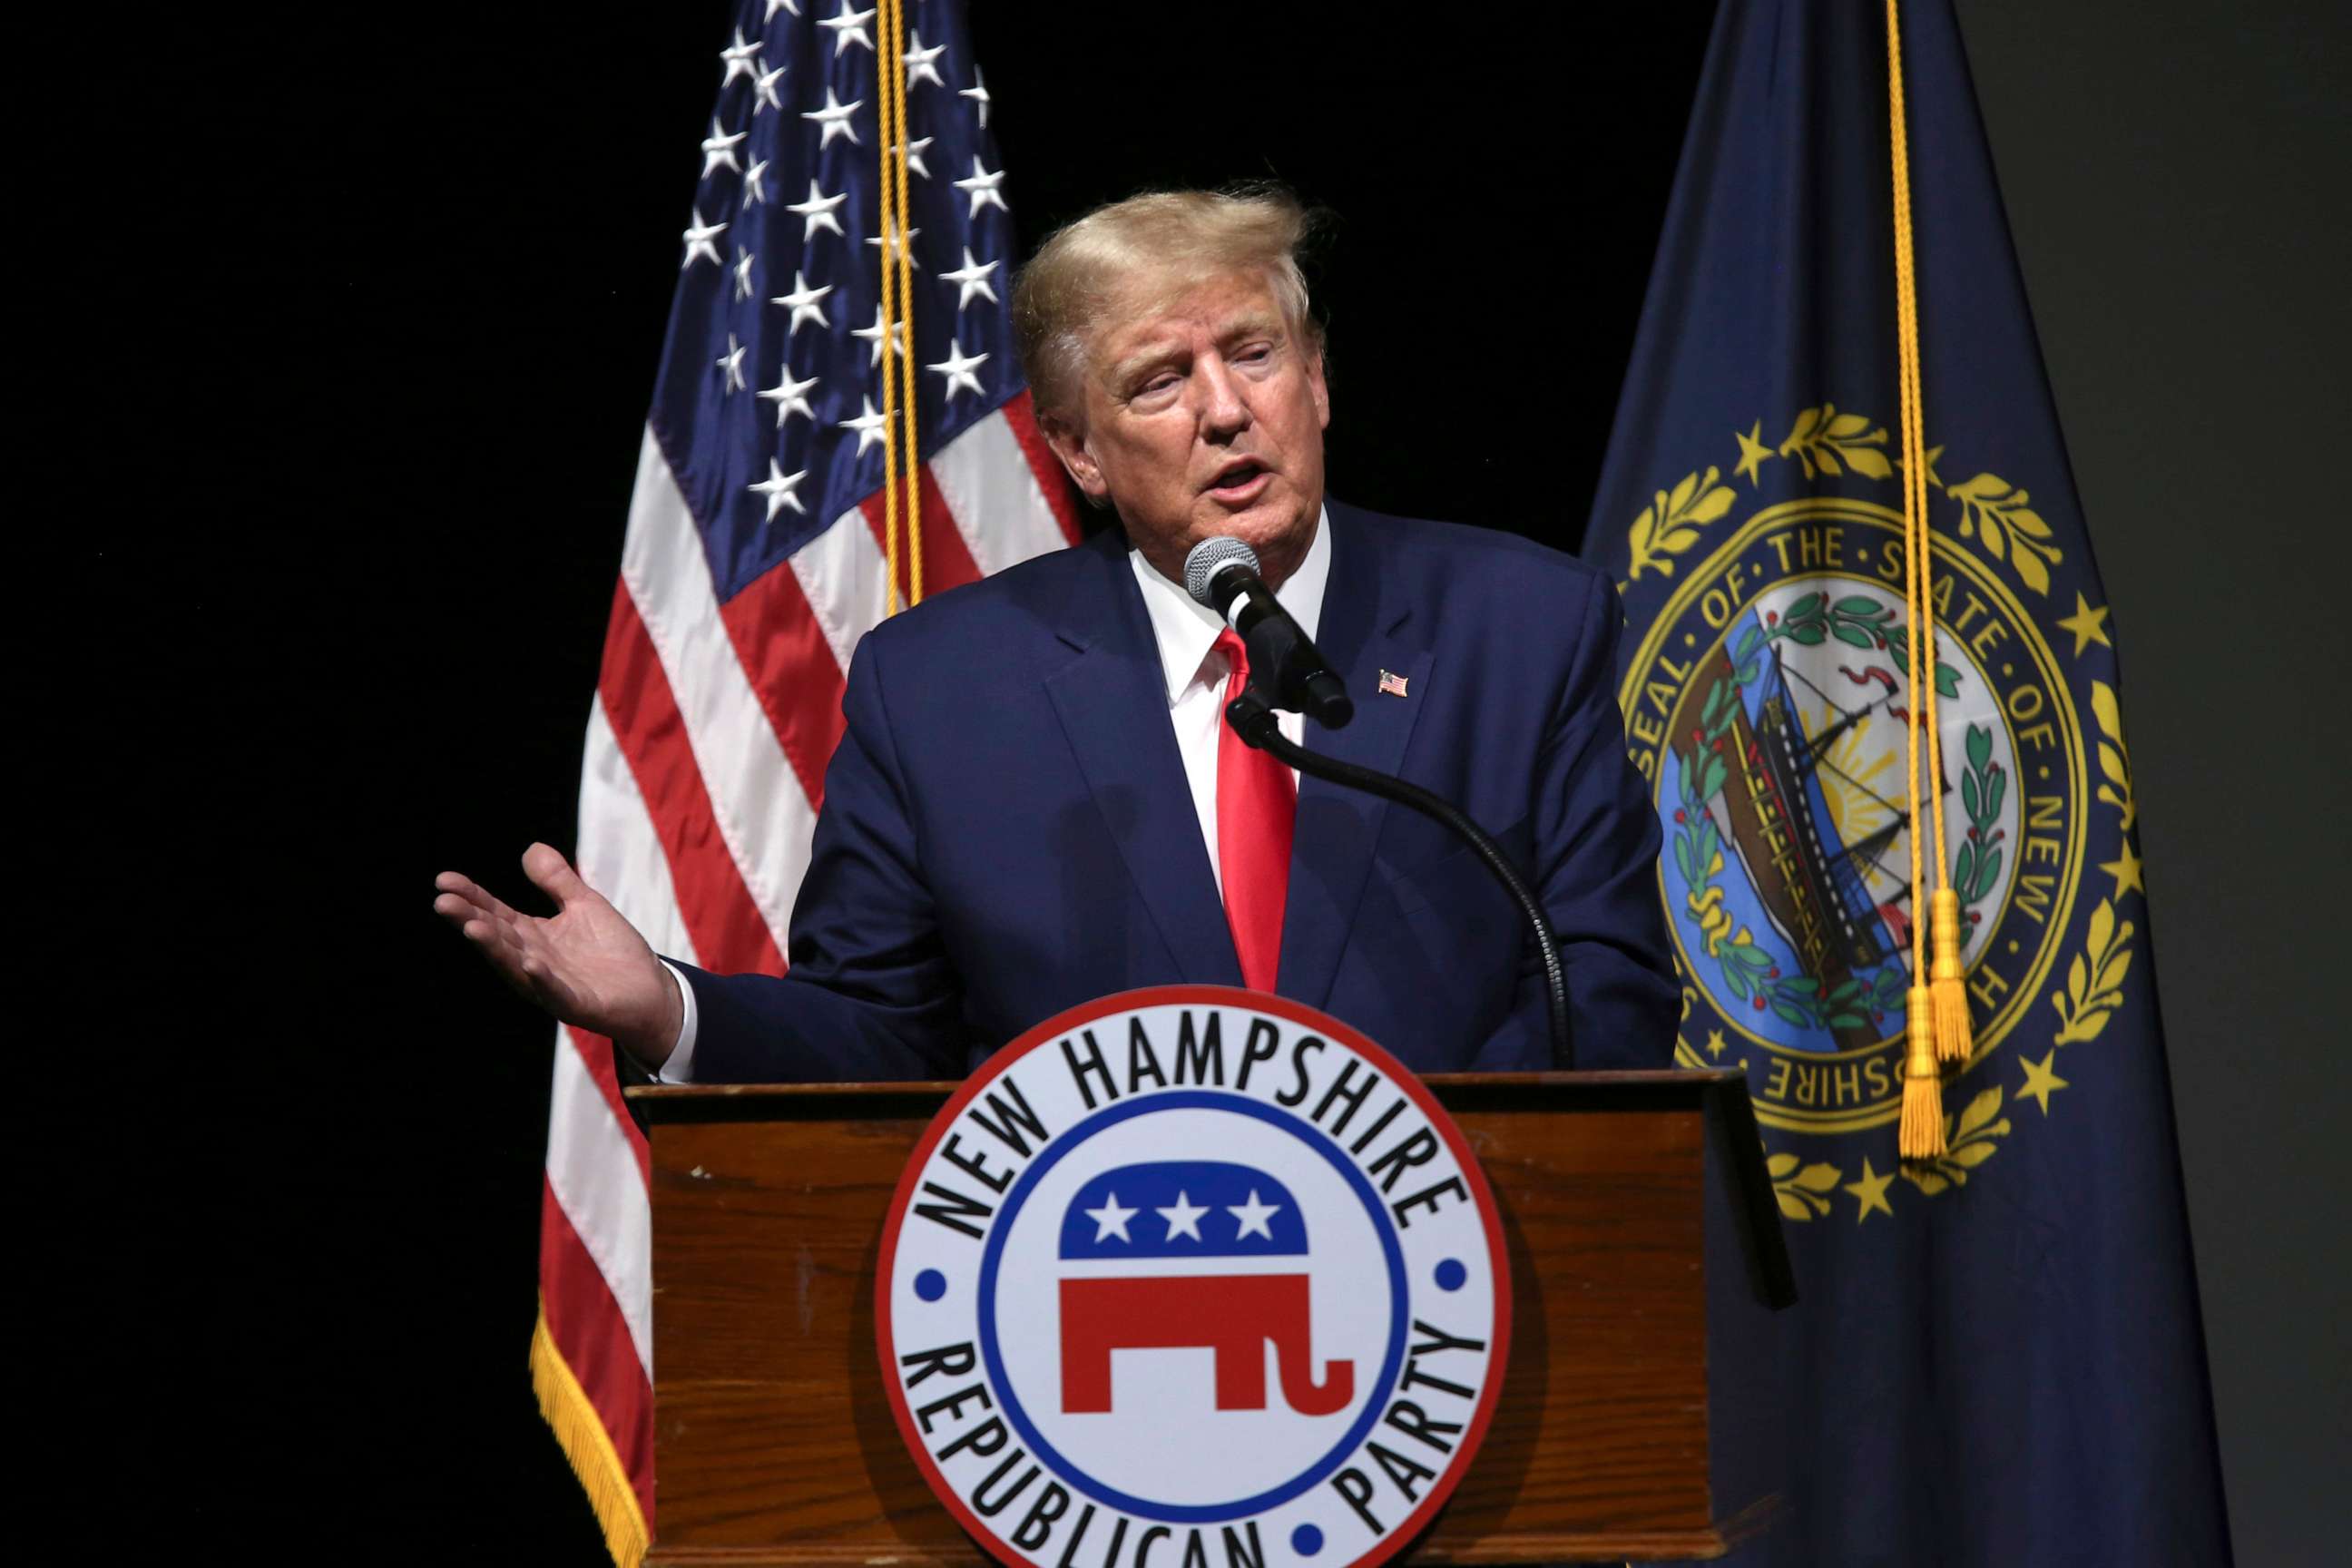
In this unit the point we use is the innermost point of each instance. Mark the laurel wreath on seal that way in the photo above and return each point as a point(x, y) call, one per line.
point(1823, 435)
point(1978, 861)
point(1858, 621)
point(1803, 1191)
point(1670, 524)
point(2114, 757)
point(1995, 515)
point(2094, 979)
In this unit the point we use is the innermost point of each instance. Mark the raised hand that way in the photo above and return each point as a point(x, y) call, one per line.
point(584, 963)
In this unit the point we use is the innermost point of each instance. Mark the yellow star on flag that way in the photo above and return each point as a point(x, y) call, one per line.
point(2041, 1080)
point(2089, 626)
point(1870, 1192)
point(1715, 1043)
point(1753, 453)
point(2125, 871)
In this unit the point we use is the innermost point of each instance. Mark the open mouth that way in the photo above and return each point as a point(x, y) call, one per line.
point(1240, 481)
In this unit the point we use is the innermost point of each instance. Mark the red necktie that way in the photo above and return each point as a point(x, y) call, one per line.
point(1257, 802)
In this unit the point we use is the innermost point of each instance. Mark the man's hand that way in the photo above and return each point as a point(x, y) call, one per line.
point(586, 964)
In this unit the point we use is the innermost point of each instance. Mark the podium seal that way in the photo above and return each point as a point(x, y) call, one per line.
point(1193, 1278)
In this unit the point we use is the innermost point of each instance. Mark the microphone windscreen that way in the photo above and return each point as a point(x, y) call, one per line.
point(1209, 558)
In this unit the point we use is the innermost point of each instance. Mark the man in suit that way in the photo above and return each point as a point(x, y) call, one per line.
point(1035, 803)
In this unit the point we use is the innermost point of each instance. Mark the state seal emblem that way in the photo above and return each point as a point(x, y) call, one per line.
point(1764, 703)
point(1193, 1277)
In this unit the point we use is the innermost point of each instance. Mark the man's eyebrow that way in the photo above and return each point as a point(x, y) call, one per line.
point(1254, 326)
point(1153, 356)
point(1143, 359)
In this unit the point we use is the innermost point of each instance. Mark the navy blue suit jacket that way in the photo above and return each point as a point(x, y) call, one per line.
point(1007, 830)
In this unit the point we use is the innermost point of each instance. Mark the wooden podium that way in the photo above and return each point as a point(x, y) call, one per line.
point(773, 1438)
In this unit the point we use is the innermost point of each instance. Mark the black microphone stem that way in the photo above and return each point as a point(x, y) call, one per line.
point(1256, 723)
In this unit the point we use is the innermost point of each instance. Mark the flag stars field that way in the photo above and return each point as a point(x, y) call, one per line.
point(778, 488)
point(718, 149)
point(763, 91)
point(699, 236)
point(833, 120)
point(873, 335)
point(848, 27)
point(971, 278)
point(790, 397)
point(869, 424)
point(805, 303)
point(913, 153)
point(922, 63)
point(981, 188)
point(890, 244)
point(958, 367)
point(741, 59)
point(817, 212)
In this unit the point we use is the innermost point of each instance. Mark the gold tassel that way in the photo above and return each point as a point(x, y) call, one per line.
point(1921, 1134)
point(1954, 1039)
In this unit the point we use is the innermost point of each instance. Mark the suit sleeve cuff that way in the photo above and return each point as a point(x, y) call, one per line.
point(679, 1065)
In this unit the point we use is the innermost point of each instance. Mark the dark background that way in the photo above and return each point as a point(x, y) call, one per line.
point(405, 325)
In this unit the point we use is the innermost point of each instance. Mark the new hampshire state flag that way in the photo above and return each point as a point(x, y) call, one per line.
point(1998, 1357)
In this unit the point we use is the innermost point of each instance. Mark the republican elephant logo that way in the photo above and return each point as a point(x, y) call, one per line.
point(1202, 1235)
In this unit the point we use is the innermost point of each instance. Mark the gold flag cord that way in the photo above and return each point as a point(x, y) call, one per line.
point(1920, 1134)
point(1947, 985)
point(887, 189)
point(908, 455)
point(900, 467)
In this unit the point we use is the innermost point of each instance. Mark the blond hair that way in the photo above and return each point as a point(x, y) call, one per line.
point(1137, 252)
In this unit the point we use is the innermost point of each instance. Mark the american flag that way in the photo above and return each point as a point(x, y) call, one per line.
point(755, 559)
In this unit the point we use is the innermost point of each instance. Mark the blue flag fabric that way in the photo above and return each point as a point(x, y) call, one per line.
point(1997, 1358)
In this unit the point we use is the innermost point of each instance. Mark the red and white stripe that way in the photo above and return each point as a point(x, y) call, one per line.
point(704, 770)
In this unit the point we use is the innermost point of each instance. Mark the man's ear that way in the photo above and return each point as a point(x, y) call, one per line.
point(1069, 445)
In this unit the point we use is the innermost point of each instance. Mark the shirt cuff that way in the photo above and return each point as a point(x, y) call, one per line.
point(680, 1067)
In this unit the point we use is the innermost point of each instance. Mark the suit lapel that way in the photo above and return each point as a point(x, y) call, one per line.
point(1368, 626)
point(1112, 699)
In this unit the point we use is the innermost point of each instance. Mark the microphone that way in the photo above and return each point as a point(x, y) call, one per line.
point(1223, 574)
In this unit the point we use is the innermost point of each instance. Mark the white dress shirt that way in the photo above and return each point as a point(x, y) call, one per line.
point(1186, 631)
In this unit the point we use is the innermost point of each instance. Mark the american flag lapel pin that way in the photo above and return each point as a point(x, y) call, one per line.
point(1392, 684)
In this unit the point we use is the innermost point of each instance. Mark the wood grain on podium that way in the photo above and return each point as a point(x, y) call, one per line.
point(774, 1434)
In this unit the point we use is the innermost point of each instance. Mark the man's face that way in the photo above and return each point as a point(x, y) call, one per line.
point(1203, 416)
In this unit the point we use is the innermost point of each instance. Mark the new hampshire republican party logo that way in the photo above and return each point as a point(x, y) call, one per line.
point(1193, 1278)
